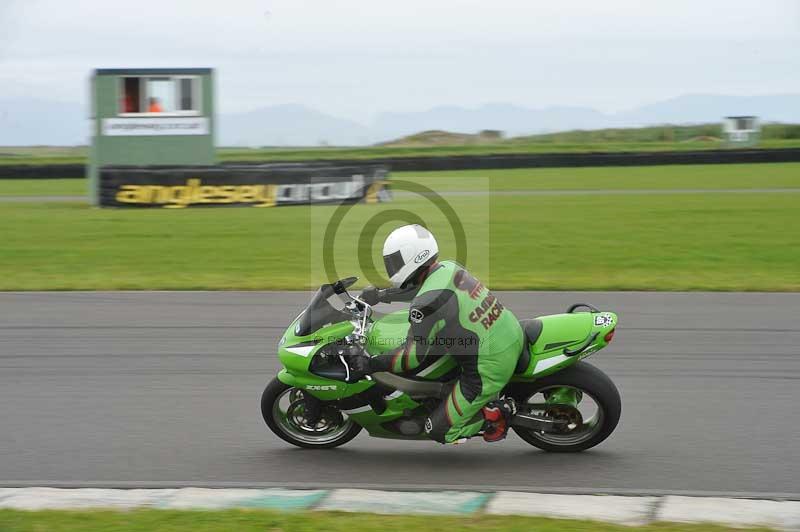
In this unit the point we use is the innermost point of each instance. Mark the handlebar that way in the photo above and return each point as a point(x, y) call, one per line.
point(341, 286)
point(374, 295)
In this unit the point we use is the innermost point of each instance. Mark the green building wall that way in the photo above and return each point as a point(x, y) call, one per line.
point(187, 150)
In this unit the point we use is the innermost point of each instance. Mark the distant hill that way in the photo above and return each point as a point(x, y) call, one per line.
point(33, 122)
point(437, 137)
point(700, 108)
point(289, 125)
point(518, 121)
point(512, 119)
point(695, 134)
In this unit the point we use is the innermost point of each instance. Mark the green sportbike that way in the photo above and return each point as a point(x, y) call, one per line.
point(563, 403)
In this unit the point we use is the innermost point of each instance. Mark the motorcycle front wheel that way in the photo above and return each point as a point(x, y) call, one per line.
point(587, 420)
point(283, 409)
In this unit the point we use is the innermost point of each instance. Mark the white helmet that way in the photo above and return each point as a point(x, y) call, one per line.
point(406, 250)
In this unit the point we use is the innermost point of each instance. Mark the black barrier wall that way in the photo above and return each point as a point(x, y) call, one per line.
point(42, 171)
point(566, 160)
point(231, 185)
point(486, 162)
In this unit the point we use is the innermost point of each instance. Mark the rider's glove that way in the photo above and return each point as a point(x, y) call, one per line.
point(360, 364)
point(370, 295)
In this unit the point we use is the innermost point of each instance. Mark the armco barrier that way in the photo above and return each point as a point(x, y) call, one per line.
point(485, 162)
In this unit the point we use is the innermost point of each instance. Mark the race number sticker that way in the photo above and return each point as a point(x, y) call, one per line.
point(603, 319)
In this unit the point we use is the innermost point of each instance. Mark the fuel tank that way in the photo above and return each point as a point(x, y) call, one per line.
point(388, 332)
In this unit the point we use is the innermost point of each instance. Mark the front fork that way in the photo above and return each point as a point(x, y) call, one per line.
point(313, 409)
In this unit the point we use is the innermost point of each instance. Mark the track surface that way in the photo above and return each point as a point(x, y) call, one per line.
point(163, 389)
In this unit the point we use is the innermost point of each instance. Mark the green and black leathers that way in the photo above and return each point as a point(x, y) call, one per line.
point(454, 313)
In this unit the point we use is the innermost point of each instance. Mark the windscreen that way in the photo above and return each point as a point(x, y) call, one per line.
point(326, 307)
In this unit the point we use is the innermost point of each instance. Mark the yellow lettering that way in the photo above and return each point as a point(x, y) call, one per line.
point(181, 196)
point(227, 194)
point(372, 192)
point(268, 195)
point(248, 193)
point(205, 194)
point(128, 194)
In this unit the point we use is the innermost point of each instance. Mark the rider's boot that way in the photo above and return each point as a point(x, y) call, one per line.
point(497, 417)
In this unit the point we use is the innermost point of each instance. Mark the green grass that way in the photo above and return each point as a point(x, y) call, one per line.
point(511, 146)
point(689, 242)
point(664, 134)
point(709, 176)
point(772, 175)
point(43, 155)
point(264, 520)
point(704, 241)
point(42, 187)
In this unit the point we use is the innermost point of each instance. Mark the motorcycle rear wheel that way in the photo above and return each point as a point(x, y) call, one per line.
point(589, 429)
point(282, 410)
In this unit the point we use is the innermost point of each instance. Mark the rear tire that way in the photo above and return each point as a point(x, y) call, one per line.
point(287, 430)
point(584, 377)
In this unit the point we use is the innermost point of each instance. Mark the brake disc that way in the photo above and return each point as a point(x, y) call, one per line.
point(330, 418)
point(568, 417)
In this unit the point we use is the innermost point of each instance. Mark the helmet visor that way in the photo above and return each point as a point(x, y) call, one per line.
point(393, 262)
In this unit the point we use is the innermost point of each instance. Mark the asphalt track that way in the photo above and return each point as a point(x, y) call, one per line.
point(162, 389)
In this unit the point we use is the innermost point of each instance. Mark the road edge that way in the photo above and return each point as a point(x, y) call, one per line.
point(618, 509)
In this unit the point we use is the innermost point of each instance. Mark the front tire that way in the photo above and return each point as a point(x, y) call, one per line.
point(591, 382)
point(282, 410)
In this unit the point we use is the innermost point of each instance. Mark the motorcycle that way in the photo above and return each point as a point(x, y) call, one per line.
point(316, 401)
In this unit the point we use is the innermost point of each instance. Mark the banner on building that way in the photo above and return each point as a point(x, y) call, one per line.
point(154, 127)
point(243, 185)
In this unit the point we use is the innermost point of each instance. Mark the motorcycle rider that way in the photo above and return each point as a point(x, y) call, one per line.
point(451, 313)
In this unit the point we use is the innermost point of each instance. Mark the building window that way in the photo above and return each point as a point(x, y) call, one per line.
point(187, 90)
point(162, 95)
point(745, 123)
point(131, 97)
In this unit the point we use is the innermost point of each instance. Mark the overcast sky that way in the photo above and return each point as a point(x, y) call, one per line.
point(355, 58)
